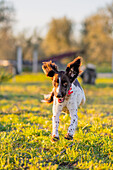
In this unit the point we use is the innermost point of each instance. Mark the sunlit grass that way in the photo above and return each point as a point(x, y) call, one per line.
point(26, 125)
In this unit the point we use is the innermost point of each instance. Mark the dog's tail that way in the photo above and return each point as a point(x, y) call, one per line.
point(48, 98)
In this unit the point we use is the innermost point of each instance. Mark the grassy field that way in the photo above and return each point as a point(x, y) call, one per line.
point(26, 125)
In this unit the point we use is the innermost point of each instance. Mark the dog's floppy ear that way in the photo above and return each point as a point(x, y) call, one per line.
point(73, 69)
point(49, 68)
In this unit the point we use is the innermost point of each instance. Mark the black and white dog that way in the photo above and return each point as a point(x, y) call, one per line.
point(67, 94)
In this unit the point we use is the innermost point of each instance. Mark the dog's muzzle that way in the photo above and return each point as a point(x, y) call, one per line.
point(60, 100)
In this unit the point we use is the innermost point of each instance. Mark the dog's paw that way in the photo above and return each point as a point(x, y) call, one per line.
point(46, 96)
point(68, 137)
point(43, 101)
point(54, 139)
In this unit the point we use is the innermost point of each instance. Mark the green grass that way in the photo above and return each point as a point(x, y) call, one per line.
point(26, 125)
point(104, 68)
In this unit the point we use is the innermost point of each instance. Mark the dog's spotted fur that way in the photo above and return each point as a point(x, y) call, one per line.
point(67, 94)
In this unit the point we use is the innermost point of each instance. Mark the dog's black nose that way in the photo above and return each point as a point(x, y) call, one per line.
point(59, 95)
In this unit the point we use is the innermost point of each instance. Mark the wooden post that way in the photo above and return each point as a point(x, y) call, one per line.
point(19, 60)
point(35, 60)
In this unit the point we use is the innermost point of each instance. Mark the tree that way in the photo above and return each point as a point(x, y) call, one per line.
point(96, 37)
point(6, 13)
point(109, 13)
point(7, 40)
point(29, 42)
point(59, 37)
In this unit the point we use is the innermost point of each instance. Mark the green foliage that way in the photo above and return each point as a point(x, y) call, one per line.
point(26, 124)
point(104, 68)
point(4, 76)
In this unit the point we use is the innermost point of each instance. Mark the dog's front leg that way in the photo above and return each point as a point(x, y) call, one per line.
point(73, 124)
point(57, 108)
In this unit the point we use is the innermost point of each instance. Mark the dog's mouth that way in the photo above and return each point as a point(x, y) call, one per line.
point(60, 100)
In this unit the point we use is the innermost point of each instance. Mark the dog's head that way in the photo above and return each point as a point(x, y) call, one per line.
point(62, 80)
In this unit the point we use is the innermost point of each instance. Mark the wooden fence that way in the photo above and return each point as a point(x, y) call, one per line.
point(18, 64)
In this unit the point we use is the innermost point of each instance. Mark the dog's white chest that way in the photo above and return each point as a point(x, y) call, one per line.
point(71, 101)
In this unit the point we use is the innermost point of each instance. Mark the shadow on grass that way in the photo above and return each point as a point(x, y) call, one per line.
point(5, 128)
point(104, 85)
point(27, 84)
point(25, 111)
point(99, 85)
point(21, 97)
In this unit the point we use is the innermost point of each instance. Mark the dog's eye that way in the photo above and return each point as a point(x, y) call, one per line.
point(57, 80)
point(65, 84)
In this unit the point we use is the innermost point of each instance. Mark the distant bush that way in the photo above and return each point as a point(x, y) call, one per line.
point(4, 76)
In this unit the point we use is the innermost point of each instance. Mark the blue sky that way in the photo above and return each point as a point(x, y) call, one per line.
point(32, 14)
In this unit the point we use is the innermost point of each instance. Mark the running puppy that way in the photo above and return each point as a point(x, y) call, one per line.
point(67, 94)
